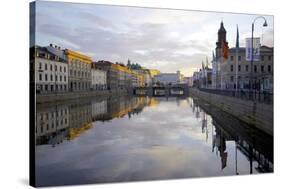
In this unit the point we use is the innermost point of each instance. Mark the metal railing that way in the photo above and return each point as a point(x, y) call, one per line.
point(257, 96)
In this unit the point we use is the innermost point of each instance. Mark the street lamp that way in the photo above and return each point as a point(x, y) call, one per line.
point(252, 53)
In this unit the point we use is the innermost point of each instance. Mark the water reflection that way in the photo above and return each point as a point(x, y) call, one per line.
point(141, 138)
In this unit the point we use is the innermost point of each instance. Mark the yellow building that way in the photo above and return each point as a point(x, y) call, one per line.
point(79, 66)
point(154, 72)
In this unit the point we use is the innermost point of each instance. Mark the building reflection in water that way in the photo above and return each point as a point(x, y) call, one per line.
point(57, 123)
point(255, 145)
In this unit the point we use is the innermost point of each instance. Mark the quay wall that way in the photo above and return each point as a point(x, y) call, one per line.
point(48, 98)
point(256, 114)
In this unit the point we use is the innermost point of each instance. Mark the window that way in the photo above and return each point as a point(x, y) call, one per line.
point(247, 68)
point(239, 58)
point(231, 68)
point(56, 78)
point(46, 77)
point(231, 58)
point(269, 68)
point(231, 78)
point(64, 78)
point(40, 65)
point(64, 69)
point(56, 68)
point(255, 68)
point(60, 69)
point(51, 77)
point(46, 87)
point(262, 68)
point(60, 78)
point(51, 67)
point(46, 67)
point(239, 68)
point(40, 77)
point(262, 58)
point(269, 58)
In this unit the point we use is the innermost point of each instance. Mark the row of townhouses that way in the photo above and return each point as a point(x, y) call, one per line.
point(56, 70)
point(231, 70)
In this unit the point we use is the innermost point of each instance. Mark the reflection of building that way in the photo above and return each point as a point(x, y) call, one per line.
point(99, 108)
point(51, 122)
point(50, 72)
point(80, 118)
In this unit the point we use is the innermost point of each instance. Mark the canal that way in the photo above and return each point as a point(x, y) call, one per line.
point(118, 139)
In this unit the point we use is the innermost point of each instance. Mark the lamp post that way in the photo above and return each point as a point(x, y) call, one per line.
point(252, 49)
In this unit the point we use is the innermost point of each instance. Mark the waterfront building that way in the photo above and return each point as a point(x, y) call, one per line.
point(79, 66)
point(168, 78)
point(140, 74)
point(221, 57)
point(262, 70)
point(135, 82)
point(124, 75)
point(188, 81)
point(98, 78)
point(195, 79)
point(111, 73)
point(154, 72)
point(232, 71)
point(118, 76)
point(49, 71)
point(147, 78)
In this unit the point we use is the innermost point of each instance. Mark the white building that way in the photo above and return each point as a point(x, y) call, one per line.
point(147, 78)
point(50, 72)
point(98, 79)
point(168, 78)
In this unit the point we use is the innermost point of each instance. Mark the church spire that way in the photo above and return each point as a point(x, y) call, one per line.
point(237, 38)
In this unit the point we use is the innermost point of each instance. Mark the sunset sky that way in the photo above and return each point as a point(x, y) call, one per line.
point(164, 39)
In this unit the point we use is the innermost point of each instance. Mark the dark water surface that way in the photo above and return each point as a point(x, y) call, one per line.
point(142, 138)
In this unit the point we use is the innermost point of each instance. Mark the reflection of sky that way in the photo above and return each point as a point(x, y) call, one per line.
point(168, 40)
point(162, 142)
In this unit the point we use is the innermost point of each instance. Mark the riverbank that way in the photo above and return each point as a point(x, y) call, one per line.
point(258, 115)
point(50, 98)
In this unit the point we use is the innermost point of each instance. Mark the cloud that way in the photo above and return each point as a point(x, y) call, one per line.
point(168, 40)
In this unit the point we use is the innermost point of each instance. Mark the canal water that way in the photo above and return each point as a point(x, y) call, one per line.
point(119, 139)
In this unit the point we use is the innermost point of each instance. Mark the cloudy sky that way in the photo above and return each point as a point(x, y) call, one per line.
point(167, 40)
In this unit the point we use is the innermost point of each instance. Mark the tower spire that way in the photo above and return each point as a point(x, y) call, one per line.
point(237, 37)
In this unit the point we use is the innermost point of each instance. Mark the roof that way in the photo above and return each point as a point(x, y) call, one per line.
point(262, 48)
point(53, 55)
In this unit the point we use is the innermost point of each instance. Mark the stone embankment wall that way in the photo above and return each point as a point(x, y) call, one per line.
point(46, 98)
point(253, 113)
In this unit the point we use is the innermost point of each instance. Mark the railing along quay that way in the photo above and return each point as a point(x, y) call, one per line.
point(257, 96)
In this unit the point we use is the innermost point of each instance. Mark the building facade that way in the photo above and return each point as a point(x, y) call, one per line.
point(231, 70)
point(50, 72)
point(168, 78)
point(98, 79)
point(79, 66)
point(238, 72)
